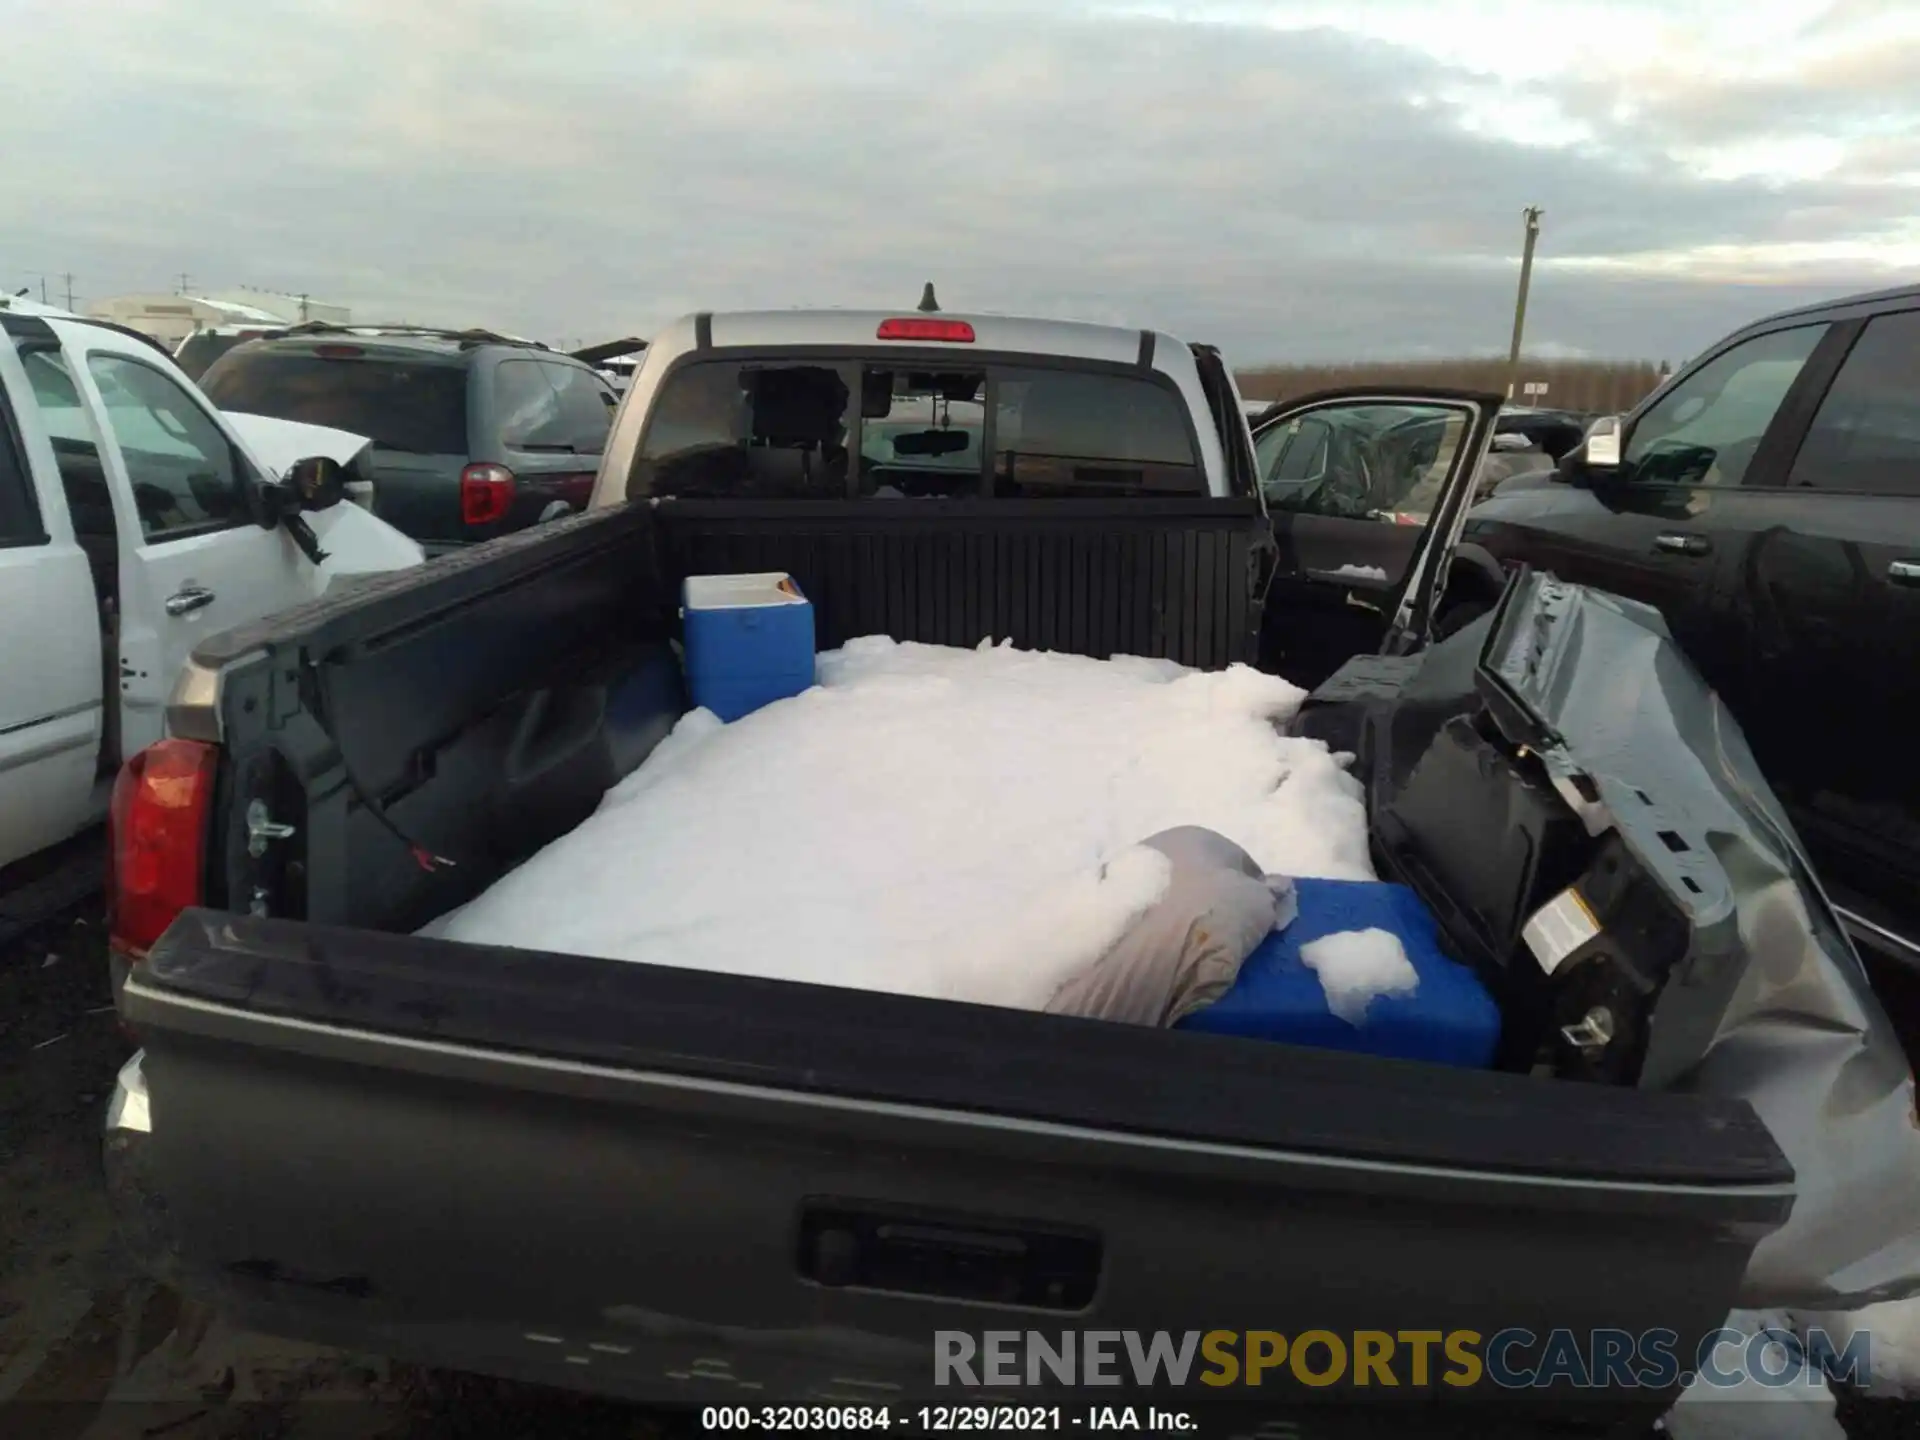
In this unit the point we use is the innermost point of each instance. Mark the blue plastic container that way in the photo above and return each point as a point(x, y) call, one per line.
point(1449, 1018)
point(749, 641)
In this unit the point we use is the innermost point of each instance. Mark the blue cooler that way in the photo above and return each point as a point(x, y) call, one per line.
point(1449, 1018)
point(749, 641)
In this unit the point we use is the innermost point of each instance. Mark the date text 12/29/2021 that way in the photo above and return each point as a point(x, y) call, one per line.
point(937, 1419)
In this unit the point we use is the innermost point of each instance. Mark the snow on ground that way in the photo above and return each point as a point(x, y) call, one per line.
point(933, 821)
point(1795, 1405)
point(1356, 965)
point(1893, 1342)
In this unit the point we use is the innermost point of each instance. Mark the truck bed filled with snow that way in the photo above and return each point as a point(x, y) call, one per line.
point(930, 821)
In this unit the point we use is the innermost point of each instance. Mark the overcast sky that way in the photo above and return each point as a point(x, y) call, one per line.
point(1290, 179)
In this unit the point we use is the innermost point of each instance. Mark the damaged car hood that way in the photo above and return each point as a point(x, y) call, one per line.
point(279, 444)
point(1771, 1004)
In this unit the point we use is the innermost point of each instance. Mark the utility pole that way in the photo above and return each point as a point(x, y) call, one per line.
point(1532, 215)
point(68, 277)
point(183, 282)
point(43, 290)
point(303, 307)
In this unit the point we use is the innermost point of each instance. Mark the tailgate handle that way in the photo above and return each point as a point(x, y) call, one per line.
point(867, 1247)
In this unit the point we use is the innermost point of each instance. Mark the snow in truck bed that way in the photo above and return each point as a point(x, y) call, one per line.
point(930, 821)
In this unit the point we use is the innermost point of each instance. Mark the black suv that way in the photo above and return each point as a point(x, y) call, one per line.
point(474, 434)
point(1767, 500)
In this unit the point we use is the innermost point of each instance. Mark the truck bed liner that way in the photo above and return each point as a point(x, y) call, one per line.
point(1169, 578)
point(1172, 579)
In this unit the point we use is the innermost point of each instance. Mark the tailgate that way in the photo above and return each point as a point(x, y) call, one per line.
point(684, 1186)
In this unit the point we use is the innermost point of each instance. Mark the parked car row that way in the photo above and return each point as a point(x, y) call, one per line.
point(1743, 506)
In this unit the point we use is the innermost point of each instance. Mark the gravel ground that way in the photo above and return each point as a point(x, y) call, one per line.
point(1867, 1419)
point(89, 1350)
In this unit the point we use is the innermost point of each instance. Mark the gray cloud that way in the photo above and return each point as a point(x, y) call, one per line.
point(1865, 89)
point(576, 169)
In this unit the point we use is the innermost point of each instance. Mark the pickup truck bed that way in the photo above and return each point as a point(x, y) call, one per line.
point(681, 1186)
point(485, 713)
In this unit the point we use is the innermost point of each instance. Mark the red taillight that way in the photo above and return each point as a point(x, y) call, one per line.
point(486, 493)
point(576, 490)
point(951, 330)
point(157, 838)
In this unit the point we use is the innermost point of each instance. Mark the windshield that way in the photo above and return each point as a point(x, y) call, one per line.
point(925, 443)
point(416, 406)
point(1365, 462)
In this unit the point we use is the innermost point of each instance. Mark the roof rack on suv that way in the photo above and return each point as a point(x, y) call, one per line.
point(468, 338)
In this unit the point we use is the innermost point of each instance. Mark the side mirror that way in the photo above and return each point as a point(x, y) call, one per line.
point(314, 483)
point(319, 482)
point(1596, 458)
point(1601, 449)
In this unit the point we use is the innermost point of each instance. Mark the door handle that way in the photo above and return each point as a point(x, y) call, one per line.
point(187, 599)
point(1678, 542)
point(1904, 572)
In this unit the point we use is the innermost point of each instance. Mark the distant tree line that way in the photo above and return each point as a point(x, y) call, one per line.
point(1601, 386)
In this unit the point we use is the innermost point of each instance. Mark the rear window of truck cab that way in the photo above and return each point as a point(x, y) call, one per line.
point(885, 429)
